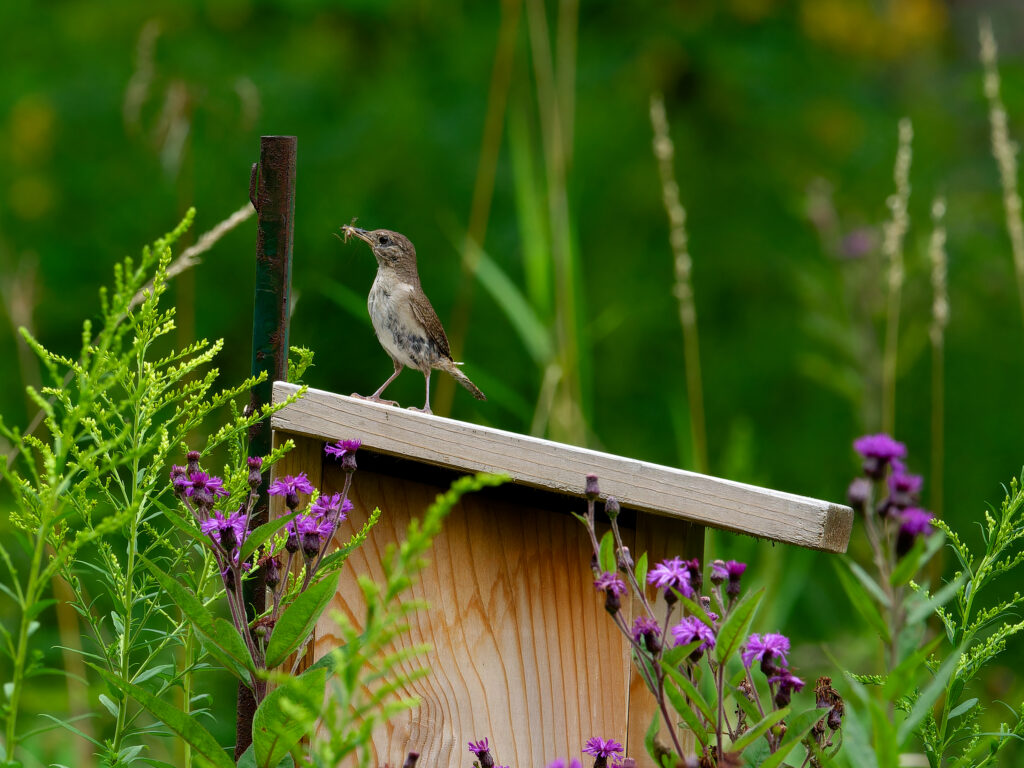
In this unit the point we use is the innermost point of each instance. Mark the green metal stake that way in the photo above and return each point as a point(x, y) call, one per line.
point(272, 192)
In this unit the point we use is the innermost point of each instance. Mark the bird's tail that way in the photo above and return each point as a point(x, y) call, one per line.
point(450, 366)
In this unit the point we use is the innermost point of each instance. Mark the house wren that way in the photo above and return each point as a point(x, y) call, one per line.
point(403, 319)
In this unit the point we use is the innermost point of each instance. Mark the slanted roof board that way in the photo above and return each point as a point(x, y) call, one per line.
point(639, 485)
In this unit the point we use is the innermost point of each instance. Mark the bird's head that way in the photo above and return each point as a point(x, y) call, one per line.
point(391, 249)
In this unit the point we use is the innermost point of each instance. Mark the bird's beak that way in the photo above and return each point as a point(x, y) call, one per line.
point(362, 234)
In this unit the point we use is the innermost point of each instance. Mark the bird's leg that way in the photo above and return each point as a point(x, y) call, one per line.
point(375, 397)
point(426, 405)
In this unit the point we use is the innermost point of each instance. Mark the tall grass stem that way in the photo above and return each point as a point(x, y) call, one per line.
point(1005, 152)
point(937, 331)
point(892, 250)
point(664, 152)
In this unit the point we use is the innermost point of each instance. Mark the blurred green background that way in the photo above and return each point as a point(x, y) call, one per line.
point(523, 127)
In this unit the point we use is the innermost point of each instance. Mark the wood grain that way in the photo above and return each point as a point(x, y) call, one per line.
point(639, 485)
point(523, 652)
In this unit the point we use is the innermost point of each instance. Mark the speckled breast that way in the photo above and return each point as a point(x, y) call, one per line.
point(397, 328)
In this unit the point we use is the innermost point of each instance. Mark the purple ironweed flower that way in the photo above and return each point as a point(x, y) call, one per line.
point(178, 479)
point(731, 571)
point(591, 489)
point(203, 488)
point(647, 631)
point(346, 451)
point(914, 522)
point(858, 493)
point(231, 529)
point(788, 683)
point(610, 582)
point(255, 471)
point(878, 450)
point(766, 649)
point(602, 749)
point(696, 575)
point(691, 629)
point(332, 507)
point(669, 575)
point(342, 447)
point(290, 486)
point(482, 752)
point(310, 530)
point(192, 462)
point(903, 486)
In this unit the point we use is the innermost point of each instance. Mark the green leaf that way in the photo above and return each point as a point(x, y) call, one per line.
point(299, 618)
point(928, 697)
point(867, 609)
point(259, 536)
point(962, 707)
point(685, 711)
point(276, 727)
point(207, 750)
point(868, 583)
point(690, 690)
point(640, 572)
point(652, 733)
point(735, 627)
point(606, 554)
point(221, 639)
point(757, 730)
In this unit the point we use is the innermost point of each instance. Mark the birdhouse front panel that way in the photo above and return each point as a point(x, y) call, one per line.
point(522, 651)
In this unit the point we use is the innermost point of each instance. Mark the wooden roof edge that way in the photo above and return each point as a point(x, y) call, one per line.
point(533, 461)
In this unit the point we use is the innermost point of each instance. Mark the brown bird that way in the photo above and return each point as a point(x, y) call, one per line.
point(403, 319)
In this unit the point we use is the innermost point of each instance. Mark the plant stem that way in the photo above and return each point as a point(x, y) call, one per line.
point(18, 671)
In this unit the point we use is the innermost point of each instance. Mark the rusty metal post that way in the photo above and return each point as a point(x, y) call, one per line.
point(272, 192)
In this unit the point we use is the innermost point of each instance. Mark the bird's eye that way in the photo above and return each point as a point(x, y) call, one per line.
point(383, 240)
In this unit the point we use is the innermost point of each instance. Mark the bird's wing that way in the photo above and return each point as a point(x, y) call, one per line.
point(425, 313)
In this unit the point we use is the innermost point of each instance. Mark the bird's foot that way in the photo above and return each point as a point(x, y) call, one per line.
point(421, 410)
point(374, 399)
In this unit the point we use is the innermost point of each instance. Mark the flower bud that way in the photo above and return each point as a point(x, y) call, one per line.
point(255, 471)
point(292, 500)
point(272, 570)
point(625, 560)
point(292, 542)
point(193, 461)
point(592, 491)
point(858, 494)
point(611, 507)
point(348, 461)
point(612, 603)
point(311, 544)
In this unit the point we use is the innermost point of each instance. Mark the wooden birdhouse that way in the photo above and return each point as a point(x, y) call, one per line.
point(523, 651)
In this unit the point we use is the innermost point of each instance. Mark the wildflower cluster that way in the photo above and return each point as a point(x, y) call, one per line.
point(237, 547)
point(689, 635)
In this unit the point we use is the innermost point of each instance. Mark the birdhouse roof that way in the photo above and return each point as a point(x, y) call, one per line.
point(560, 468)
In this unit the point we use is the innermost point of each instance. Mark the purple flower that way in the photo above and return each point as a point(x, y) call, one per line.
point(610, 582)
point(643, 626)
point(332, 507)
point(290, 484)
point(342, 447)
point(202, 487)
point(231, 529)
point(482, 752)
point(731, 571)
point(878, 450)
point(903, 486)
point(766, 649)
point(858, 493)
point(669, 575)
point(602, 748)
point(788, 684)
point(914, 522)
point(178, 479)
point(691, 629)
